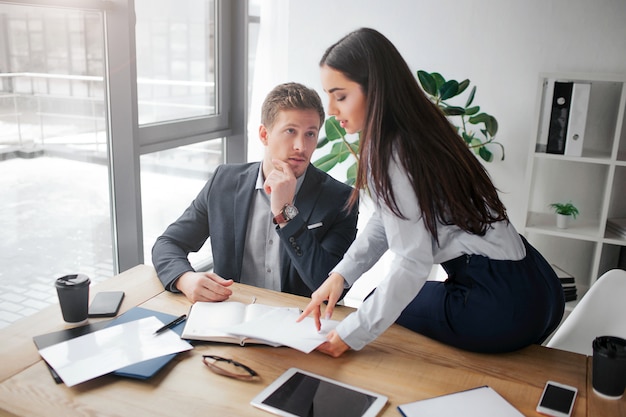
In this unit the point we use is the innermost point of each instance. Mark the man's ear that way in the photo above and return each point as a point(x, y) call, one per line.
point(263, 134)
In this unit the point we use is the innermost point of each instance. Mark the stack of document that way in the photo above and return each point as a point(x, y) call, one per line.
point(127, 347)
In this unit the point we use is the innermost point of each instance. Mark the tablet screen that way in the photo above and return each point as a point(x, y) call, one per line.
point(302, 394)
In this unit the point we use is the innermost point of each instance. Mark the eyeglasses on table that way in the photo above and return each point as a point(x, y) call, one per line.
point(229, 367)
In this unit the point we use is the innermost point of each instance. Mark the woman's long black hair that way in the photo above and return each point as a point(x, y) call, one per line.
point(451, 185)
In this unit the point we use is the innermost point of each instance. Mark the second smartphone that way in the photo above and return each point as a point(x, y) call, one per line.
point(106, 304)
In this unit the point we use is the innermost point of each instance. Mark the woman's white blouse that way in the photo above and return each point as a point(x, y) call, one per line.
point(415, 253)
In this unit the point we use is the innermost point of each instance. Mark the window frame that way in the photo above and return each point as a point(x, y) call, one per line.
point(168, 134)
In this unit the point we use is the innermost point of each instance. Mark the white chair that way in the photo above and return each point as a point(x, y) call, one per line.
point(600, 312)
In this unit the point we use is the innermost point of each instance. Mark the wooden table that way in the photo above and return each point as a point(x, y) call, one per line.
point(401, 364)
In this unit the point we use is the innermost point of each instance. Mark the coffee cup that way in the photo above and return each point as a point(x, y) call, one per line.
point(609, 367)
point(73, 292)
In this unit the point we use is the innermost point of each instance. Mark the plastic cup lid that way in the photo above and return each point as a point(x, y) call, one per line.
point(611, 346)
point(75, 280)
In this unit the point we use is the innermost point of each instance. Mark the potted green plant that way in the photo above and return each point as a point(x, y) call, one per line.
point(340, 151)
point(440, 91)
point(564, 212)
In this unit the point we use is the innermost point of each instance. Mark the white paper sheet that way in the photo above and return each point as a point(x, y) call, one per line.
point(280, 326)
point(476, 402)
point(89, 356)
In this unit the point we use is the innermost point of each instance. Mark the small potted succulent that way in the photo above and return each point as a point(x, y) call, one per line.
point(564, 212)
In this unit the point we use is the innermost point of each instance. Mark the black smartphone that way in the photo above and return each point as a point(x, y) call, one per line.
point(106, 304)
point(557, 399)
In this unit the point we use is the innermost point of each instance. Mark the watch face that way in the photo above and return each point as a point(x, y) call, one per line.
point(290, 212)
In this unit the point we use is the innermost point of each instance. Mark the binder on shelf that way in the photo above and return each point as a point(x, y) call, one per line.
point(544, 120)
point(567, 104)
point(559, 117)
point(577, 119)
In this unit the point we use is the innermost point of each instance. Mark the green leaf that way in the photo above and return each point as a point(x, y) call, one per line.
point(428, 82)
point(467, 138)
point(462, 86)
point(472, 110)
point(453, 111)
point(341, 151)
point(449, 89)
point(322, 142)
point(485, 153)
point(470, 99)
point(492, 126)
point(351, 174)
point(501, 148)
point(479, 118)
point(567, 209)
point(439, 80)
point(476, 144)
point(333, 129)
point(355, 146)
point(326, 162)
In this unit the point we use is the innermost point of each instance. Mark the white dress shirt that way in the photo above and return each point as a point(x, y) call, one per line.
point(261, 256)
point(415, 253)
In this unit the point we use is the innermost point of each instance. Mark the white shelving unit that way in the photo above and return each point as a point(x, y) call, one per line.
point(595, 182)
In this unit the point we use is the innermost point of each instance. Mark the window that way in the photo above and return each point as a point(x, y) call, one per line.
point(180, 109)
point(176, 59)
point(83, 130)
point(55, 211)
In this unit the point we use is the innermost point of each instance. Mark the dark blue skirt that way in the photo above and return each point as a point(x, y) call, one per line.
point(489, 305)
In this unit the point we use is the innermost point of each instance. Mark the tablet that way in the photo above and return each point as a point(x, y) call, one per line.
point(298, 393)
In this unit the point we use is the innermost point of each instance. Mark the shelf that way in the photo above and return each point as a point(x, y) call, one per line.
point(614, 239)
point(590, 157)
point(545, 223)
point(594, 180)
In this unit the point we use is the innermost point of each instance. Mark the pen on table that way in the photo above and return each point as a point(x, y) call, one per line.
point(171, 324)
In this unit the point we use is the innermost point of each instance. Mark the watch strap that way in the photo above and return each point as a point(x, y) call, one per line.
point(282, 217)
point(279, 218)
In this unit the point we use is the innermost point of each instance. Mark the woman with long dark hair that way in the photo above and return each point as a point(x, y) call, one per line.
point(435, 204)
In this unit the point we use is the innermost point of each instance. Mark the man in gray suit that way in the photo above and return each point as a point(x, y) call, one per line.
point(279, 223)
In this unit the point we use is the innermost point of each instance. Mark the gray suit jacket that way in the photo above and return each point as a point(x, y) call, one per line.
point(221, 211)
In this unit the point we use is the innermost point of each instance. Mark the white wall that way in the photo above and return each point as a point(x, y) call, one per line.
point(500, 45)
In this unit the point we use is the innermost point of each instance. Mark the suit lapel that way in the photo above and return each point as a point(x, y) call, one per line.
point(309, 193)
point(243, 199)
point(305, 202)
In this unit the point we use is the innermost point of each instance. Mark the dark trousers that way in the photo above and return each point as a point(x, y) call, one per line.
point(489, 305)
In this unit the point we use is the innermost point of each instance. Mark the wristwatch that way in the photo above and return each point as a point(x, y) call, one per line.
point(287, 213)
